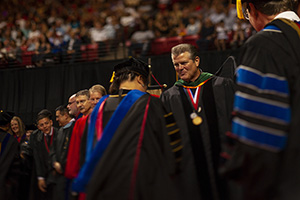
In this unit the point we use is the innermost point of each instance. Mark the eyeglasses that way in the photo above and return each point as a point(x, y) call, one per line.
point(69, 103)
point(246, 14)
point(246, 10)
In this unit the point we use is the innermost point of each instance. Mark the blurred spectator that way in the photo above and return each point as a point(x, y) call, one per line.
point(99, 35)
point(10, 51)
point(230, 16)
point(42, 51)
point(181, 30)
point(218, 13)
point(73, 46)
point(20, 38)
point(222, 37)
point(185, 16)
point(122, 19)
point(140, 41)
point(127, 20)
point(20, 21)
point(6, 35)
point(110, 30)
point(33, 32)
point(84, 35)
point(57, 43)
point(193, 27)
point(177, 11)
point(3, 61)
point(162, 28)
point(26, 28)
point(207, 35)
point(238, 34)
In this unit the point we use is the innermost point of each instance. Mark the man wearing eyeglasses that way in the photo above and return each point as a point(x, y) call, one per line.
point(72, 107)
point(266, 159)
point(75, 152)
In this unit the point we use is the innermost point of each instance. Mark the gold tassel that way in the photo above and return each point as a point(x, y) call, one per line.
point(112, 77)
point(239, 9)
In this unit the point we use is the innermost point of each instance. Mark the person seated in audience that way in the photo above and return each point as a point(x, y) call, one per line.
point(222, 36)
point(207, 35)
point(193, 27)
point(140, 41)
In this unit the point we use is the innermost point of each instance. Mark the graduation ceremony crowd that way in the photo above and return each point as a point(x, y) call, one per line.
point(60, 31)
point(232, 135)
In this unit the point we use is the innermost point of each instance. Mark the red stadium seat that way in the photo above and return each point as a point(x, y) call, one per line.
point(27, 58)
point(159, 46)
point(92, 52)
point(173, 41)
point(83, 52)
point(191, 39)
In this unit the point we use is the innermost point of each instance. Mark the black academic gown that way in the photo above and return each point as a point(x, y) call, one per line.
point(199, 178)
point(58, 153)
point(112, 176)
point(264, 174)
point(42, 160)
point(9, 166)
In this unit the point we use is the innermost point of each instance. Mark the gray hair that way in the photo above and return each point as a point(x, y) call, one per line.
point(181, 48)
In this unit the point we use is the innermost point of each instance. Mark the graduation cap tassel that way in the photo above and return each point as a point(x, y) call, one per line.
point(239, 9)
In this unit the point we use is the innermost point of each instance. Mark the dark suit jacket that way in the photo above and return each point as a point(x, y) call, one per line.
point(41, 154)
point(59, 149)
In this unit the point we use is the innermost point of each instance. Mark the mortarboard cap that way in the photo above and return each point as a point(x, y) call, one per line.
point(239, 6)
point(5, 117)
point(132, 64)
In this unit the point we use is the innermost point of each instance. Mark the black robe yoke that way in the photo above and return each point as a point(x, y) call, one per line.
point(199, 178)
point(112, 176)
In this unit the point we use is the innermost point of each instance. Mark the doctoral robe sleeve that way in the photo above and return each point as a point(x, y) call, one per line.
point(73, 157)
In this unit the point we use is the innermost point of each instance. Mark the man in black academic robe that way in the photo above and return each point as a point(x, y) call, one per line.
point(201, 104)
point(59, 151)
point(41, 143)
point(139, 159)
point(265, 159)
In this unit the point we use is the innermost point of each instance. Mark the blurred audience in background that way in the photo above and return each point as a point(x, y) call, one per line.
point(54, 31)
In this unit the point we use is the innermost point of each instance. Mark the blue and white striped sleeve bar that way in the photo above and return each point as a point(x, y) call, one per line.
point(262, 119)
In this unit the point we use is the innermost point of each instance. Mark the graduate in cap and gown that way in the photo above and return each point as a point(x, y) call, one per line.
point(133, 144)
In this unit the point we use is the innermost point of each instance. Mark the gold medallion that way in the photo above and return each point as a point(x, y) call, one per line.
point(197, 120)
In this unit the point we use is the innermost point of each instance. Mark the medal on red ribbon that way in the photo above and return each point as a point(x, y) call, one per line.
point(194, 98)
point(196, 119)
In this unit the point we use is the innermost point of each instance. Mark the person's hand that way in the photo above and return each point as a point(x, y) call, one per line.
point(42, 185)
point(22, 155)
point(57, 167)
